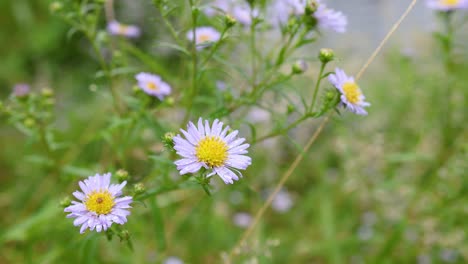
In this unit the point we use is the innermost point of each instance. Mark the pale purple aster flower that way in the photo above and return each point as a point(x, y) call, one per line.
point(212, 148)
point(242, 219)
point(282, 202)
point(100, 204)
point(21, 89)
point(173, 260)
point(447, 5)
point(239, 10)
point(130, 31)
point(351, 95)
point(205, 36)
point(281, 10)
point(217, 6)
point(153, 85)
point(330, 19)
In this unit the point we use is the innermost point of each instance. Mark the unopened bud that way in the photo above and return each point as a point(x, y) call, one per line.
point(55, 7)
point(122, 175)
point(168, 140)
point(326, 55)
point(65, 202)
point(124, 235)
point(139, 188)
point(229, 21)
point(47, 92)
point(170, 101)
point(291, 108)
point(29, 122)
point(299, 67)
point(311, 7)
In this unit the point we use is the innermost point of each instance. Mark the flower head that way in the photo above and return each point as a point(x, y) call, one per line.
point(351, 95)
point(447, 5)
point(130, 31)
point(281, 10)
point(21, 89)
point(330, 19)
point(212, 148)
point(204, 36)
point(239, 10)
point(153, 85)
point(100, 204)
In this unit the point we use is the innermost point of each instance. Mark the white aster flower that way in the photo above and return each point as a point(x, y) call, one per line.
point(212, 148)
point(153, 85)
point(282, 202)
point(281, 10)
point(116, 28)
point(330, 19)
point(447, 5)
point(351, 95)
point(100, 204)
point(205, 36)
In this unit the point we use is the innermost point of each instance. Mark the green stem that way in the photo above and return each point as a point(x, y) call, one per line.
point(317, 85)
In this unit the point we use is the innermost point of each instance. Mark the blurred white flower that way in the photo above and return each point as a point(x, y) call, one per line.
point(239, 10)
point(153, 85)
point(116, 28)
point(282, 202)
point(447, 5)
point(242, 219)
point(330, 19)
point(173, 260)
point(205, 36)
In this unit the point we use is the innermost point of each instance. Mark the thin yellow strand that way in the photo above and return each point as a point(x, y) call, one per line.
point(288, 173)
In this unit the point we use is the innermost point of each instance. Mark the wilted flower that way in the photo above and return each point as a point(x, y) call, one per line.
point(242, 219)
point(330, 19)
point(204, 36)
point(153, 85)
point(212, 148)
point(21, 90)
point(447, 5)
point(351, 95)
point(100, 204)
point(116, 28)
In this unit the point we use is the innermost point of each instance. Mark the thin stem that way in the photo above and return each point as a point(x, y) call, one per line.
point(317, 85)
point(283, 130)
point(194, 53)
point(253, 48)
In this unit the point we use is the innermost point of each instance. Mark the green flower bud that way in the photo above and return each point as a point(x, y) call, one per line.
point(122, 175)
point(55, 7)
point(47, 92)
point(124, 235)
point(291, 109)
point(311, 7)
point(168, 140)
point(229, 21)
point(299, 67)
point(29, 122)
point(65, 202)
point(326, 55)
point(170, 100)
point(136, 89)
point(139, 188)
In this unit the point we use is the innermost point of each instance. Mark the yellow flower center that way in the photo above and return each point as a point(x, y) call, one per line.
point(152, 86)
point(212, 151)
point(204, 38)
point(450, 2)
point(123, 29)
point(99, 202)
point(351, 92)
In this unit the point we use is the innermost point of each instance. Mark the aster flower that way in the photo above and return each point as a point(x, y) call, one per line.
point(447, 5)
point(21, 89)
point(204, 36)
point(239, 10)
point(351, 95)
point(212, 148)
point(282, 202)
point(153, 85)
point(281, 10)
point(116, 28)
point(242, 219)
point(100, 204)
point(330, 19)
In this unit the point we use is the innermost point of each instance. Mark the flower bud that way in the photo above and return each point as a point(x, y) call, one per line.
point(122, 175)
point(55, 7)
point(291, 109)
point(65, 202)
point(124, 235)
point(326, 55)
point(170, 100)
point(47, 92)
point(139, 188)
point(299, 67)
point(168, 140)
point(311, 7)
point(29, 122)
point(229, 21)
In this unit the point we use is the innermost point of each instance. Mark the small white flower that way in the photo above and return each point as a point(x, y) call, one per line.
point(282, 202)
point(242, 219)
point(173, 260)
point(130, 31)
point(330, 19)
point(351, 95)
point(205, 36)
point(447, 5)
point(153, 85)
point(100, 204)
point(212, 148)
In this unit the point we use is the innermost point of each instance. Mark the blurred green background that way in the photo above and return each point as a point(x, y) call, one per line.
point(387, 188)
